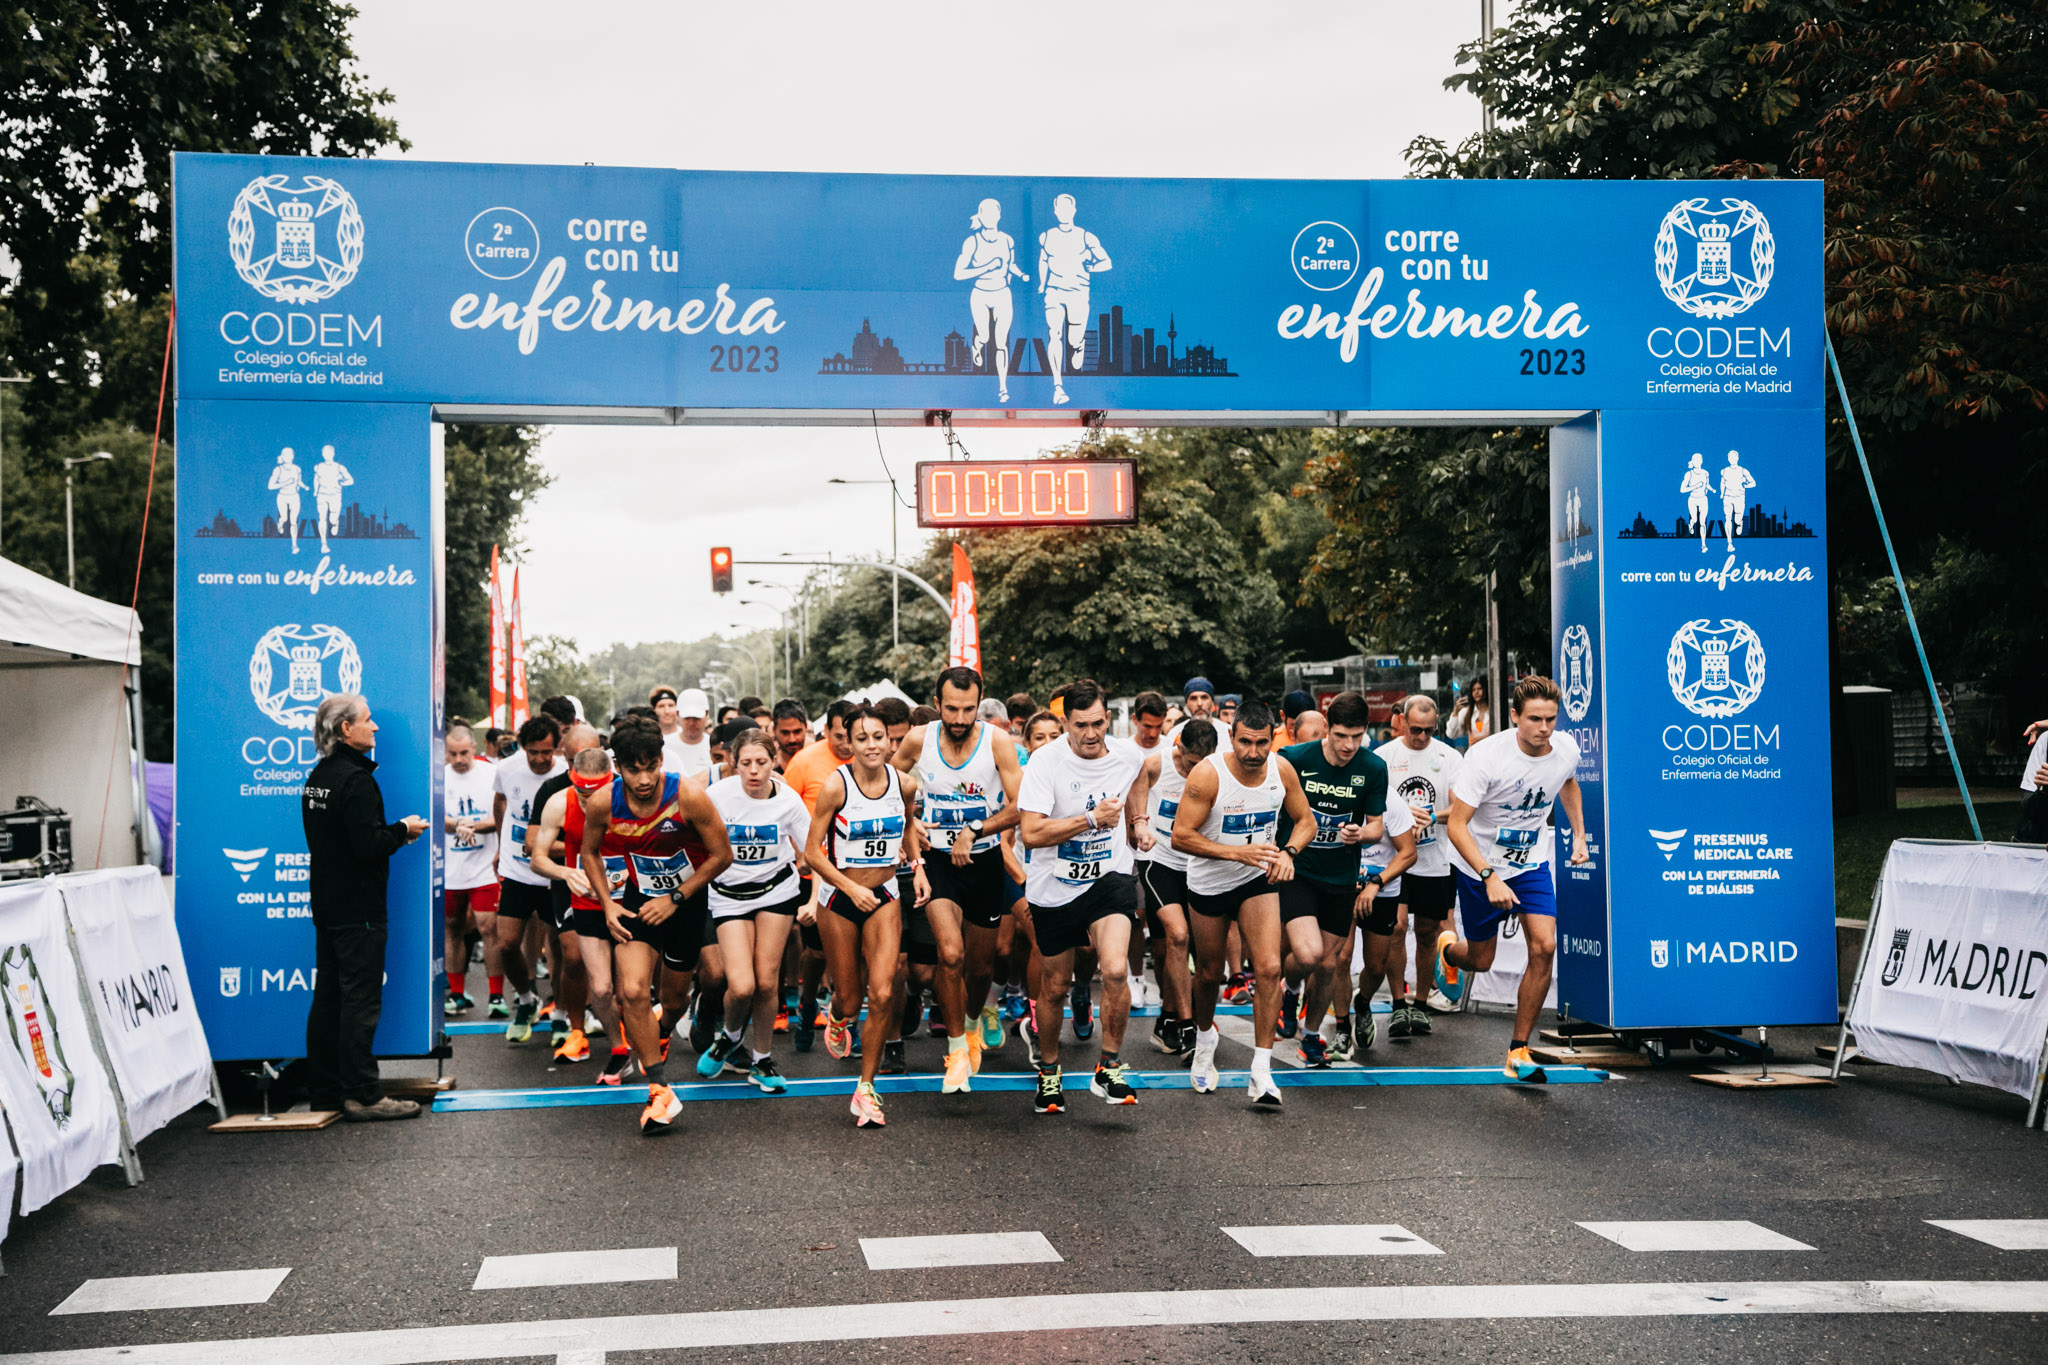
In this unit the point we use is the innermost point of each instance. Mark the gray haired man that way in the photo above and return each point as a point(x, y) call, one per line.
point(351, 847)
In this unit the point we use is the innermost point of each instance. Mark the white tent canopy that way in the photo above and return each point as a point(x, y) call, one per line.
point(876, 691)
point(72, 711)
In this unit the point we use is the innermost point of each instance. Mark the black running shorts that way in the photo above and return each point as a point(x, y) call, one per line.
point(1060, 929)
point(1429, 897)
point(520, 900)
point(976, 888)
point(1226, 904)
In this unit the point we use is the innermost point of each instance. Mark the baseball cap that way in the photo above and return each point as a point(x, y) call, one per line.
point(692, 704)
point(1229, 699)
point(1297, 703)
point(1198, 684)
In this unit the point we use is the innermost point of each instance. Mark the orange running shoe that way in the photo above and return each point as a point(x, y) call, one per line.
point(1522, 1067)
point(974, 1050)
point(838, 1039)
point(958, 1074)
point(782, 1021)
point(867, 1107)
point(662, 1108)
point(574, 1047)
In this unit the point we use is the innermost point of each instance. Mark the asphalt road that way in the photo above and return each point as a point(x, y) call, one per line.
point(384, 1227)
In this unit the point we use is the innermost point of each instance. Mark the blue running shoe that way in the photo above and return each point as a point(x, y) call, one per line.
point(765, 1077)
point(712, 1059)
point(1449, 979)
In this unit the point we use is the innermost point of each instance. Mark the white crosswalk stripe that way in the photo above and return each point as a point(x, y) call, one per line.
point(203, 1289)
point(1694, 1235)
point(576, 1267)
point(2007, 1234)
point(1339, 1239)
point(970, 1248)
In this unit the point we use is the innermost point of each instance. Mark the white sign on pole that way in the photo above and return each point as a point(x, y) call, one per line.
point(135, 978)
point(55, 1091)
point(1955, 966)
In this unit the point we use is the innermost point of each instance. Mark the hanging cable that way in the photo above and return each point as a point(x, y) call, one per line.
point(1899, 578)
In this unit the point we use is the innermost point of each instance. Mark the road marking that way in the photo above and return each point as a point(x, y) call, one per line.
point(1069, 1312)
point(204, 1289)
point(576, 1267)
point(967, 1248)
point(577, 1096)
point(2007, 1234)
point(1241, 1031)
point(1334, 1239)
point(1705, 1235)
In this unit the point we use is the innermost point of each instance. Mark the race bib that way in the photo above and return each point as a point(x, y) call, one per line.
point(1250, 827)
point(1516, 846)
point(657, 876)
point(1329, 828)
point(464, 841)
point(870, 843)
point(1081, 861)
point(1162, 823)
point(952, 812)
point(754, 844)
point(516, 834)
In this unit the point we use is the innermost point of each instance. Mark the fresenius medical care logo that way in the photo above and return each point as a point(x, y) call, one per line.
point(1714, 263)
point(305, 652)
point(295, 244)
point(1715, 672)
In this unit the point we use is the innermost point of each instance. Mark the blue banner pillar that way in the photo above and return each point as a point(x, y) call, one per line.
point(1689, 627)
point(309, 563)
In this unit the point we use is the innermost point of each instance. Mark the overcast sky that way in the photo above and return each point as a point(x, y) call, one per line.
point(1194, 89)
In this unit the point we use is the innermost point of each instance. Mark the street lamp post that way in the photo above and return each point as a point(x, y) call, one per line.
point(895, 588)
point(70, 550)
point(753, 657)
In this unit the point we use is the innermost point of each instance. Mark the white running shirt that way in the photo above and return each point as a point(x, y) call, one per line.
point(1165, 801)
point(517, 782)
point(1398, 820)
point(1243, 815)
point(680, 756)
point(1060, 785)
point(1423, 777)
point(467, 796)
point(953, 797)
point(1511, 795)
point(765, 836)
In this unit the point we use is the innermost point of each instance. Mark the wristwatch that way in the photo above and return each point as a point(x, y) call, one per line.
point(1485, 874)
point(1376, 880)
point(974, 826)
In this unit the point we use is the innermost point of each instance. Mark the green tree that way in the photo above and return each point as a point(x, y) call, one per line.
point(555, 667)
point(491, 472)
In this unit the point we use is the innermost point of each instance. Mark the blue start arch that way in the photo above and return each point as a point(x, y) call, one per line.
point(333, 313)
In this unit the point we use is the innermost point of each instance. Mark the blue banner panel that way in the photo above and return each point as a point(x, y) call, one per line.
point(304, 278)
point(1720, 847)
point(308, 558)
point(1577, 634)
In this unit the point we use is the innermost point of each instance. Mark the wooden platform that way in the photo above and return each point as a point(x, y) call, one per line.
point(1591, 1037)
point(1601, 1058)
point(299, 1122)
point(421, 1088)
point(1777, 1080)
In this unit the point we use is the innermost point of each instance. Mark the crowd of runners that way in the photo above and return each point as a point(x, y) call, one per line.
point(989, 870)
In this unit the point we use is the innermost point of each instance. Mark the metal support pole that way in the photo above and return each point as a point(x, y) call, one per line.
point(1493, 655)
point(1856, 982)
point(70, 548)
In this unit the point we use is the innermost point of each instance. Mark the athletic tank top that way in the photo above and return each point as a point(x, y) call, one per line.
point(984, 253)
point(658, 851)
point(954, 797)
point(868, 830)
point(572, 839)
point(1166, 794)
point(764, 835)
point(1242, 815)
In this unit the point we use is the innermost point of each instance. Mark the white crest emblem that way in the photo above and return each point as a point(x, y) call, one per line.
point(304, 651)
point(1575, 671)
point(1660, 952)
point(1715, 263)
point(230, 982)
point(1715, 672)
point(313, 238)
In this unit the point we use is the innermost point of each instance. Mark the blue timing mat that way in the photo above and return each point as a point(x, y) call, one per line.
point(1141, 1012)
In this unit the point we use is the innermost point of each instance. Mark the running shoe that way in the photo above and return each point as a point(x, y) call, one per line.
point(993, 1034)
point(892, 1059)
point(806, 1032)
point(1399, 1025)
point(712, 1060)
point(1166, 1035)
point(867, 1107)
point(764, 1076)
point(1202, 1071)
point(1364, 1031)
point(1418, 1023)
point(499, 1009)
point(1239, 991)
point(476, 950)
point(1109, 1084)
point(838, 1039)
point(558, 1029)
point(1343, 1046)
point(458, 1004)
point(662, 1108)
point(521, 1027)
point(1522, 1067)
point(934, 1023)
point(616, 1068)
point(782, 1021)
point(1014, 1005)
point(1049, 1098)
point(974, 1051)
point(593, 1027)
point(959, 1073)
point(1290, 1012)
point(1439, 1003)
point(574, 1047)
point(1449, 980)
point(1187, 1037)
point(1262, 1090)
point(855, 1029)
point(1079, 1001)
point(1314, 1051)
point(1027, 1029)
point(703, 1026)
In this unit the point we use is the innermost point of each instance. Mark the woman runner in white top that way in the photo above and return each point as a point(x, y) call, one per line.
point(754, 902)
point(860, 830)
point(989, 258)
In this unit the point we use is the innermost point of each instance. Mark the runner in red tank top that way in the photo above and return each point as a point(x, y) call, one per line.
point(561, 824)
point(667, 838)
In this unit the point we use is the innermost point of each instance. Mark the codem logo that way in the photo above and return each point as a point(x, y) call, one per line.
point(297, 244)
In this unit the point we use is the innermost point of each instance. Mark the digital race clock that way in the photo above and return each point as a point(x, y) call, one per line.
point(960, 493)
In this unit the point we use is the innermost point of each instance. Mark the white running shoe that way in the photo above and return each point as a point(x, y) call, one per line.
point(1203, 1072)
point(1262, 1090)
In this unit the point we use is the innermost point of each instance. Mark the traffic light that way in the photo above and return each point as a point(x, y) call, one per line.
point(721, 568)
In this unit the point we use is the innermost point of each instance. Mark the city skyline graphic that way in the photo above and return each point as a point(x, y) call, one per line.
point(1132, 350)
point(1756, 524)
point(354, 524)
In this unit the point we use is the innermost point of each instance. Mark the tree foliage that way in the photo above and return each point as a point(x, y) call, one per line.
point(491, 472)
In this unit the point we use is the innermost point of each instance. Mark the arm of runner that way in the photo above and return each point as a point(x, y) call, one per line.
point(1011, 774)
point(908, 752)
point(913, 845)
point(1459, 830)
point(1574, 805)
point(1302, 823)
point(597, 817)
point(1013, 866)
point(823, 809)
point(710, 826)
point(1036, 828)
point(1402, 835)
point(1099, 259)
point(1196, 800)
point(1142, 837)
point(545, 835)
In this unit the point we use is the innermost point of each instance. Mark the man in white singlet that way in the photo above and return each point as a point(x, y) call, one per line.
point(1067, 256)
point(1735, 485)
point(329, 478)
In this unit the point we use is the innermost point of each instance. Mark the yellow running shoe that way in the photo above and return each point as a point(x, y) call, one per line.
point(959, 1071)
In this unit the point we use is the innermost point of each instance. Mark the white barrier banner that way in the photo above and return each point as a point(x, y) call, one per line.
point(135, 978)
point(9, 1168)
point(1955, 968)
point(52, 1085)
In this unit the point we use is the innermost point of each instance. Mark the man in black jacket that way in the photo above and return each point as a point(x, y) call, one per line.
point(351, 848)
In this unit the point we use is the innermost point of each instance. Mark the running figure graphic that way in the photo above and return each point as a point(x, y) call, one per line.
point(1735, 485)
point(329, 478)
point(288, 482)
point(989, 258)
point(1694, 486)
point(1067, 256)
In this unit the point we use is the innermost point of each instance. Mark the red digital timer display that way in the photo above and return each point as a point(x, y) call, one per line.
point(958, 493)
